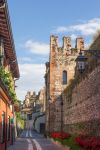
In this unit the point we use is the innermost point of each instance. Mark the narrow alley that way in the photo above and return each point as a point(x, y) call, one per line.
point(49, 75)
point(30, 140)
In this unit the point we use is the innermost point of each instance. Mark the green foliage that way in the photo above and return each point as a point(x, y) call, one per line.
point(20, 119)
point(71, 86)
point(6, 78)
point(70, 142)
point(74, 50)
point(22, 124)
point(18, 115)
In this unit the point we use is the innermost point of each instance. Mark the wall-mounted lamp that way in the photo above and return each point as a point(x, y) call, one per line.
point(81, 61)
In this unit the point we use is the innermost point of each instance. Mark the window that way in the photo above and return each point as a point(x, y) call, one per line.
point(8, 129)
point(64, 77)
point(3, 128)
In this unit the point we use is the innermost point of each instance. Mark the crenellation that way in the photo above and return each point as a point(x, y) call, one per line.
point(66, 43)
point(79, 43)
point(54, 40)
point(66, 46)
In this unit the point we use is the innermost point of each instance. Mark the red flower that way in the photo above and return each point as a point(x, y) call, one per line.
point(60, 135)
point(88, 142)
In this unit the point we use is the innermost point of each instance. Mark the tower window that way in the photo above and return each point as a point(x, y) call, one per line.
point(64, 77)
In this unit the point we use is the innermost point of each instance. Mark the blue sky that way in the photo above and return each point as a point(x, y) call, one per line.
point(33, 22)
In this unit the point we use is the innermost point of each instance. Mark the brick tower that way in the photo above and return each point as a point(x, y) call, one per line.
point(59, 71)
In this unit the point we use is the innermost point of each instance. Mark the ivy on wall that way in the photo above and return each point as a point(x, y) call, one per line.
point(6, 78)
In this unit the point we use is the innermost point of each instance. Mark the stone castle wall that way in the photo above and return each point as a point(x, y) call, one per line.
point(62, 59)
point(82, 112)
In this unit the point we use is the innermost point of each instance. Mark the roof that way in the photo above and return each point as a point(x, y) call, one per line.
point(6, 33)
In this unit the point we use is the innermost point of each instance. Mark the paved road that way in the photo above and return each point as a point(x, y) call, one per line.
point(30, 140)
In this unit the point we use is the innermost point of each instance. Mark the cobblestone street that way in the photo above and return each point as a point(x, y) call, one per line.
point(30, 140)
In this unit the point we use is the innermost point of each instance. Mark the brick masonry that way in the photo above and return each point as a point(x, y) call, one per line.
point(82, 113)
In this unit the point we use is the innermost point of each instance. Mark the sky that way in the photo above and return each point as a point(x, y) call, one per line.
point(34, 21)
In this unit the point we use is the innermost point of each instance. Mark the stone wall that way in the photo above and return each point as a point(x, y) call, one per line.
point(82, 112)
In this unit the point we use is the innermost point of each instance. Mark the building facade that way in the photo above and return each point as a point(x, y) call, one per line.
point(59, 71)
point(33, 110)
point(39, 114)
point(28, 108)
point(9, 72)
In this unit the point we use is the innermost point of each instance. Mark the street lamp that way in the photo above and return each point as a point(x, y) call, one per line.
point(81, 62)
point(50, 101)
point(61, 114)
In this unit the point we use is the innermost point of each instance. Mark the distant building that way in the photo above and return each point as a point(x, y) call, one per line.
point(33, 110)
point(42, 99)
point(27, 108)
point(39, 114)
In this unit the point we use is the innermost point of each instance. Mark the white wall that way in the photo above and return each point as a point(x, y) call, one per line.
point(38, 121)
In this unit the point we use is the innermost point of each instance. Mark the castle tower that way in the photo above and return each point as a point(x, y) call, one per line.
point(66, 43)
point(80, 43)
point(59, 71)
point(53, 48)
point(53, 51)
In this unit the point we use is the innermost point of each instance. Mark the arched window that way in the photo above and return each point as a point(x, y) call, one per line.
point(64, 77)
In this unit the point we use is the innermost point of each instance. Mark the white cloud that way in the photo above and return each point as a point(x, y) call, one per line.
point(37, 47)
point(73, 37)
point(20, 93)
point(32, 78)
point(87, 45)
point(25, 59)
point(87, 28)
